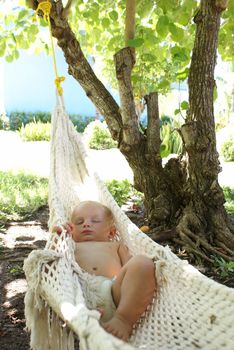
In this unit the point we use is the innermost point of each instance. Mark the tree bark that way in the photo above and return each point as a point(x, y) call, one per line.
point(204, 213)
point(130, 20)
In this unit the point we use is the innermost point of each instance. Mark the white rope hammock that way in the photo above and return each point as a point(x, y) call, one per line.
point(189, 311)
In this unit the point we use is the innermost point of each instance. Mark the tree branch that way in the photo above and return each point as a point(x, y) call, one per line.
point(81, 70)
point(124, 62)
point(130, 20)
point(153, 127)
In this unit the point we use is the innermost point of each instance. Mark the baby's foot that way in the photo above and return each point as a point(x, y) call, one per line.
point(118, 327)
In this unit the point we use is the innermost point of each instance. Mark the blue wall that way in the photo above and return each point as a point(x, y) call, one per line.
point(29, 85)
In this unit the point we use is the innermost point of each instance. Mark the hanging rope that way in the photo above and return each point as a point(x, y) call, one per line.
point(45, 7)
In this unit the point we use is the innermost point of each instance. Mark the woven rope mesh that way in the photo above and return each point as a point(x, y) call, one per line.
point(189, 310)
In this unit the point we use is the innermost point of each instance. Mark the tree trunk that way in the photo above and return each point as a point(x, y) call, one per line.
point(204, 218)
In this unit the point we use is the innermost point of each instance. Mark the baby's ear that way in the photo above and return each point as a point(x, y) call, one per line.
point(72, 226)
point(112, 232)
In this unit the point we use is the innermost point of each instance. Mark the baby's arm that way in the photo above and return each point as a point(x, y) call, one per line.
point(124, 254)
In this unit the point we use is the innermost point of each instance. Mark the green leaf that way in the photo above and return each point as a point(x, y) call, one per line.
point(183, 74)
point(86, 14)
point(134, 78)
point(106, 22)
point(184, 18)
point(176, 111)
point(22, 14)
point(15, 54)
point(162, 26)
point(33, 29)
point(136, 42)
point(99, 48)
point(164, 152)
point(164, 84)
point(9, 58)
point(43, 23)
point(151, 39)
point(215, 95)
point(184, 105)
point(149, 57)
point(13, 37)
point(177, 33)
point(179, 54)
point(2, 48)
point(113, 15)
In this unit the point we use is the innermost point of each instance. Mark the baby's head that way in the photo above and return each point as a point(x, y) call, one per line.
point(92, 221)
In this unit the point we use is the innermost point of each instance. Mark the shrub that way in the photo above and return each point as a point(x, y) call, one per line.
point(225, 268)
point(4, 122)
point(81, 122)
point(227, 150)
point(229, 197)
point(171, 140)
point(122, 191)
point(98, 136)
point(21, 194)
point(36, 131)
point(18, 119)
point(165, 119)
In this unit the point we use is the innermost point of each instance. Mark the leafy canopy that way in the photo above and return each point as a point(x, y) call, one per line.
point(163, 40)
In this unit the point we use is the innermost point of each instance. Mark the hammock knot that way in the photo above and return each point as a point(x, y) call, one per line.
point(45, 7)
point(159, 271)
point(58, 82)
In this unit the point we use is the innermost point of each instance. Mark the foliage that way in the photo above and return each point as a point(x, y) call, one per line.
point(165, 119)
point(98, 136)
point(36, 131)
point(163, 40)
point(17, 29)
point(227, 149)
point(18, 119)
point(225, 268)
point(17, 270)
point(122, 191)
point(81, 122)
point(21, 194)
point(171, 140)
point(4, 122)
point(225, 47)
point(229, 197)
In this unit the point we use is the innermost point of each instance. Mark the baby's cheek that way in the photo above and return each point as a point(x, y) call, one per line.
point(75, 235)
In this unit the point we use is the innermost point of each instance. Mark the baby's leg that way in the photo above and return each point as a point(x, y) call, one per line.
point(132, 292)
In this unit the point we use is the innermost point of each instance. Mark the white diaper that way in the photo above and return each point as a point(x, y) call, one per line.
point(98, 294)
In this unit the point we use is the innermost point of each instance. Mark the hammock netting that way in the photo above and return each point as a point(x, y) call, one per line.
point(189, 310)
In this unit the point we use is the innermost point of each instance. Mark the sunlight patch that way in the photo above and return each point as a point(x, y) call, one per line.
point(15, 287)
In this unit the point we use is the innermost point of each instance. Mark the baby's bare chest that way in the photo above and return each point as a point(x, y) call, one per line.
point(98, 258)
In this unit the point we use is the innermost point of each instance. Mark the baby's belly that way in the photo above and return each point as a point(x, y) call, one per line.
point(108, 268)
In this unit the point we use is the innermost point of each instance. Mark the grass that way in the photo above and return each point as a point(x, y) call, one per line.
point(21, 194)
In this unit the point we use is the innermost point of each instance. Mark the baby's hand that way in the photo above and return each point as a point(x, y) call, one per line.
point(67, 226)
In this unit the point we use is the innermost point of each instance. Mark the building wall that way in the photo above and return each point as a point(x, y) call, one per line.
point(27, 84)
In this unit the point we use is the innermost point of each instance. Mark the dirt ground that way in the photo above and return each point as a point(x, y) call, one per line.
point(16, 242)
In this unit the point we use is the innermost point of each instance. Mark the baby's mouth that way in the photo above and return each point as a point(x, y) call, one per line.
point(86, 231)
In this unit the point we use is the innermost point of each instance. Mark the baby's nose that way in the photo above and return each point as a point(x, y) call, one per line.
point(86, 223)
